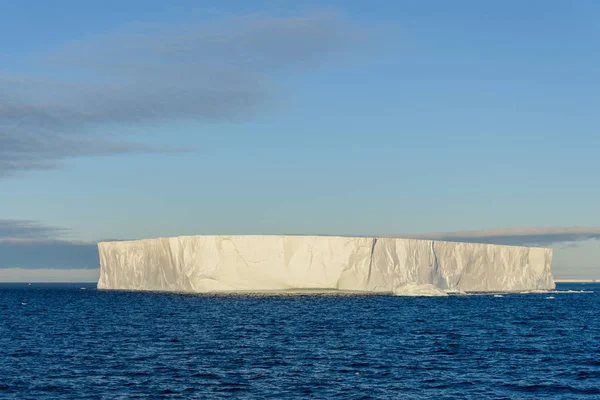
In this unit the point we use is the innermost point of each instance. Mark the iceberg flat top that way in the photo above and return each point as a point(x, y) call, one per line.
point(323, 236)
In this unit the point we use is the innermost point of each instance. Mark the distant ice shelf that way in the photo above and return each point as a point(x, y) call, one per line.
point(203, 264)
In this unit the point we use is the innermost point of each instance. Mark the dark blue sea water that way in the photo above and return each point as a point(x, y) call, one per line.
point(59, 341)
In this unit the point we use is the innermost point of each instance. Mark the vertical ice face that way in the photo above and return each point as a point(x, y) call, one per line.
point(256, 263)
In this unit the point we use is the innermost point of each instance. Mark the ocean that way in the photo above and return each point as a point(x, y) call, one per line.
point(73, 341)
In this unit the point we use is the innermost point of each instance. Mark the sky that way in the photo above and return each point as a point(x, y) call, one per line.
point(463, 120)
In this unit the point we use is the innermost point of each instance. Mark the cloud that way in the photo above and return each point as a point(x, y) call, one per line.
point(569, 246)
point(49, 275)
point(31, 244)
point(541, 236)
point(39, 253)
point(222, 69)
point(20, 229)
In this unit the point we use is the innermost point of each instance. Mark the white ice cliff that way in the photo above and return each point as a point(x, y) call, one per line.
point(275, 263)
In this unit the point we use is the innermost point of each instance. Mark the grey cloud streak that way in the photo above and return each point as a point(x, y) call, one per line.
point(223, 69)
point(31, 244)
point(22, 229)
point(41, 253)
point(534, 236)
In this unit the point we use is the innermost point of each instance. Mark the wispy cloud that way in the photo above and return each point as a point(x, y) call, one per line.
point(540, 236)
point(58, 254)
point(49, 275)
point(30, 244)
point(215, 70)
point(20, 229)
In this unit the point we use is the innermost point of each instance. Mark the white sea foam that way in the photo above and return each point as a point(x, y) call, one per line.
point(557, 291)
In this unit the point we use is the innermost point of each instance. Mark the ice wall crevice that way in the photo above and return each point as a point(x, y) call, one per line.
point(265, 263)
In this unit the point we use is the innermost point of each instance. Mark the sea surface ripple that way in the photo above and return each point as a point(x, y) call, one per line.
point(61, 341)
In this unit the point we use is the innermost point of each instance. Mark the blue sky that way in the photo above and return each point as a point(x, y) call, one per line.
point(144, 118)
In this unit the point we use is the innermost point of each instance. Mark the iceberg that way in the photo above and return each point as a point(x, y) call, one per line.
point(249, 263)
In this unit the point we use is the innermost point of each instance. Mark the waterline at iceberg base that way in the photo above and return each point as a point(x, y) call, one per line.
point(204, 263)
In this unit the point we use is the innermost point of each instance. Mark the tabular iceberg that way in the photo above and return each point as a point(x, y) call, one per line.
point(276, 263)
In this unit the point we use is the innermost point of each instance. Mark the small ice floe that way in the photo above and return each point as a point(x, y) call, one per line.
point(498, 295)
